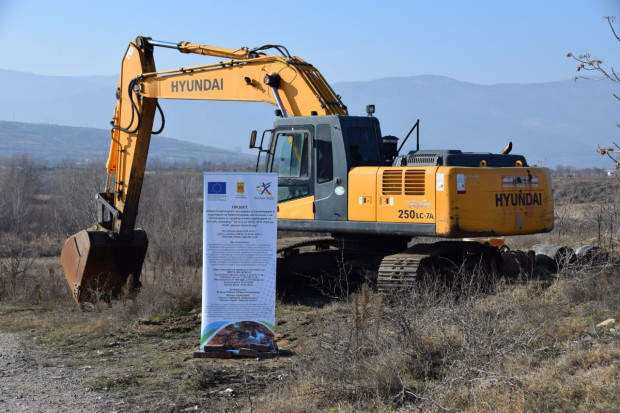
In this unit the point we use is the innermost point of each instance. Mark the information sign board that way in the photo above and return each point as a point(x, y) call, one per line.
point(239, 259)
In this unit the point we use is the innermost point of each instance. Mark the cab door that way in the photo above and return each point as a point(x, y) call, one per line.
point(330, 175)
point(290, 161)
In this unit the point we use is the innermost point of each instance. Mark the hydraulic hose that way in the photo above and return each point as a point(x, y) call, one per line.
point(135, 113)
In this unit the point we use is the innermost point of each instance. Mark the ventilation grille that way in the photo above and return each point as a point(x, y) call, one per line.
point(423, 160)
point(417, 160)
point(414, 182)
point(392, 182)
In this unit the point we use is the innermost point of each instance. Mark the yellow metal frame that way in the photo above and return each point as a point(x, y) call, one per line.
point(301, 208)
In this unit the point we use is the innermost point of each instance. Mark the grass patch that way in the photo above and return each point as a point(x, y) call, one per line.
point(116, 383)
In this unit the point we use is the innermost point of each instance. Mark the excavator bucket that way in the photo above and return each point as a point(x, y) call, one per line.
point(98, 266)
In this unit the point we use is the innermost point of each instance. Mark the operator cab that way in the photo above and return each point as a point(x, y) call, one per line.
point(314, 154)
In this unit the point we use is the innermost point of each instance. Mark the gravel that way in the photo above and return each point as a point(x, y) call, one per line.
point(29, 382)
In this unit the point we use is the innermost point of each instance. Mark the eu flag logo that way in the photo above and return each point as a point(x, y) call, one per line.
point(216, 188)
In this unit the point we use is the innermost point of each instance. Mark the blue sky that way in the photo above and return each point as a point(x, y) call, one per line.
point(484, 42)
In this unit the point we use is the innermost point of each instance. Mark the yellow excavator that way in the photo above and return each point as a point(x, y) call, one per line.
point(336, 173)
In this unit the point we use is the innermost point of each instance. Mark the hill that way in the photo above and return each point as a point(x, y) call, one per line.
point(53, 143)
point(554, 123)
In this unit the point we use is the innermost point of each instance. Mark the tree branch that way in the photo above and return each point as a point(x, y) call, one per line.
point(610, 20)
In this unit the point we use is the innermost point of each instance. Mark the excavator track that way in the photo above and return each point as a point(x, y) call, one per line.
point(291, 246)
point(404, 268)
point(443, 259)
point(450, 261)
point(399, 271)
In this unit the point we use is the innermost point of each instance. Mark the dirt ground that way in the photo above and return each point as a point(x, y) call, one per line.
point(31, 381)
point(59, 359)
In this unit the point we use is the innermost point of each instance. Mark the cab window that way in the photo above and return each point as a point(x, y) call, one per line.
point(324, 154)
point(363, 146)
point(290, 160)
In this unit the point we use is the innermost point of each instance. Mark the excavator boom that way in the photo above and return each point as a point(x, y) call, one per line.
point(99, 261)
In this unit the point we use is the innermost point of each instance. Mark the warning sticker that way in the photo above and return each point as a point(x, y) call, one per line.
point(439, 180)
point(460, 183)
point(520, 181)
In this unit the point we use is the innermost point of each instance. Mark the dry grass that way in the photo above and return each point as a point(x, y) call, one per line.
point(523, 345)
point(526, 347)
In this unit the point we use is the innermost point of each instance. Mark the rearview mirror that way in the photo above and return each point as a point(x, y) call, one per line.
point(253, 139)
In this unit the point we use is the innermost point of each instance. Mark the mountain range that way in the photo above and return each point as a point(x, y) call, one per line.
point(52, 144)
point(554, 123)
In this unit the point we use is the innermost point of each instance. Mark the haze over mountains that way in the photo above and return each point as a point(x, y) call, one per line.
point(52, 144)
point(556, 123)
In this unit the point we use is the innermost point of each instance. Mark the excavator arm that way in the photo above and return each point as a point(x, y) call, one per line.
point(293, 85)
point(107, 258)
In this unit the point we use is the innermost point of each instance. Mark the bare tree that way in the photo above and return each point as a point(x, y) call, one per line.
point(73, 202)
point(615, 157)
point(590, 64)
point(18, 184)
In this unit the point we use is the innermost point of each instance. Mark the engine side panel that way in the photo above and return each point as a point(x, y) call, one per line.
point(493, 201)
point(362, 194)
point(458, 201)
